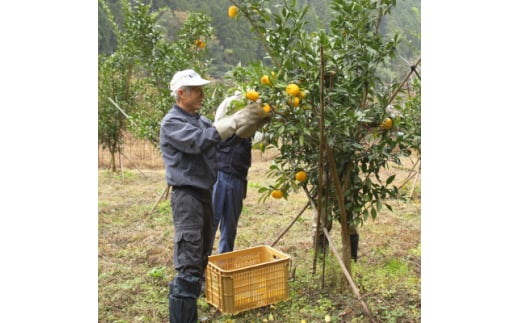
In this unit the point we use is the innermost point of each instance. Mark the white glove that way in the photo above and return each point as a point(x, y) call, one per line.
point(249, 130)
point(250, 119)
point(226, 127)
point(244, 122)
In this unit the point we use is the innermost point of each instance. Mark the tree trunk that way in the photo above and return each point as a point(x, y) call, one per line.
point(345, 248)
point(112, 160)
point(345, 235)
point(346, 251)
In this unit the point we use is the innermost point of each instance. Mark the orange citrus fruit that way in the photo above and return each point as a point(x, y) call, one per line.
point(292, 89)
point(387, 123)
point(252, 95)
point(277, 194)
point(295, 101)
point(265, 80)
point(232, 11)
point(199, 43)
point(301, 176)
point(267, 108)
point(302, 94)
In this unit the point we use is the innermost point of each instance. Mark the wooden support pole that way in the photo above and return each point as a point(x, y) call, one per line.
point(348, 276)
point(410, 174)
point(415, 181)
point(163, 194)
point(320, 163)
point(290, 225)
point(133, 165)
point(346, 272)
point(412, 69)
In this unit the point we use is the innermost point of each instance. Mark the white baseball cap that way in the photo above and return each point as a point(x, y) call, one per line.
point(186, 78)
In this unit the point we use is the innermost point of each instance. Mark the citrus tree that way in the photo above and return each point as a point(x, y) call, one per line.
point(338, 71)
point(188, 50)
point(116, 81)
point(133, 82)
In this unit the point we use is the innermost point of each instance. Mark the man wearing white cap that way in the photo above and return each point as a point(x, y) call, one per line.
point(188, 144)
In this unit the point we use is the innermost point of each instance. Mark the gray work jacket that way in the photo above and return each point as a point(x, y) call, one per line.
point(188, 145)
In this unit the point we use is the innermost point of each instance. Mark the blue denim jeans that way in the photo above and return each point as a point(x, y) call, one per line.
point(228, 195)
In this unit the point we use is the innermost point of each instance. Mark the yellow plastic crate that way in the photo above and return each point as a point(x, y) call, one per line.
point(245, 279)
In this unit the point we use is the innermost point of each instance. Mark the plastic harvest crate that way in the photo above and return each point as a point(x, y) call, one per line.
point(245, 279)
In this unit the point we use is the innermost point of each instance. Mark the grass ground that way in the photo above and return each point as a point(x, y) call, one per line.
point(135, 255)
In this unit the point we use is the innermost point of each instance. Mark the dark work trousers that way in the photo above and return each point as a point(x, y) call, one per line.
point(228, 195)
point(192, 219)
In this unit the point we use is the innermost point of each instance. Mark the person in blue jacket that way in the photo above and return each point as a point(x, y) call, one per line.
point(230, 189)
point(188, 143)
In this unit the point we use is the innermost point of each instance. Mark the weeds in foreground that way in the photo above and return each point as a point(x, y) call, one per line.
point(135, 258)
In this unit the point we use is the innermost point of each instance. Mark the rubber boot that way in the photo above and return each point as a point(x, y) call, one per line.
point(182, 310)
point(182, 300)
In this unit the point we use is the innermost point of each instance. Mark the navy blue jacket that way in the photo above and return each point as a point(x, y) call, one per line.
point(234, 156)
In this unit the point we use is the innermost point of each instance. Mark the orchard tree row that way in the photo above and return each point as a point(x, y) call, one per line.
point(336, 121)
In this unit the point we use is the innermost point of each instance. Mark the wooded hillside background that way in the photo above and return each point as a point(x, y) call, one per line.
point(234, 43)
